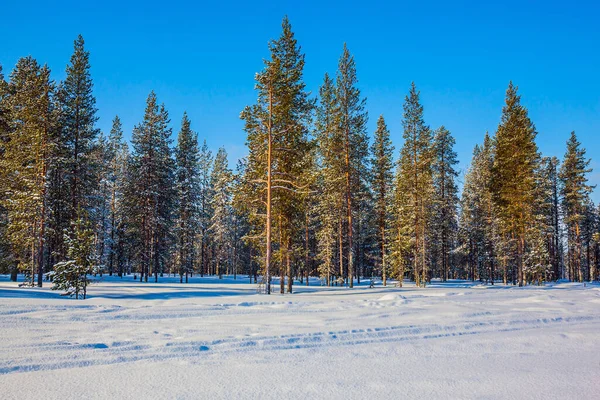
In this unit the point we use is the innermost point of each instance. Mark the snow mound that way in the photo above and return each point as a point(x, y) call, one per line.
point(393, 297)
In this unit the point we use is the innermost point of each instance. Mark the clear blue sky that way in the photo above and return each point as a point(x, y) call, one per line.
point(202, 58)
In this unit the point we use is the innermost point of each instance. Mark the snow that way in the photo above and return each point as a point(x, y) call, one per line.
point(215, 339)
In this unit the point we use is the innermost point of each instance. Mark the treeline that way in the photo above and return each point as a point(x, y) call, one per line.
point(314, 197)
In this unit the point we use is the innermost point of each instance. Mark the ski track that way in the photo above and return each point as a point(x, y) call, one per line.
point(69, 355)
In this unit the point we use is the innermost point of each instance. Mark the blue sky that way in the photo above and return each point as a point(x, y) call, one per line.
point(202, 58)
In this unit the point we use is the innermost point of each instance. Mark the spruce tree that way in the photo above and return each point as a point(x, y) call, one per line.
point(479, 234)
point(205, 212)
point(241, 249)
point(100, 201)
point(221, 221)
point(445, 199)
point(151, 190)
point(116, 180)
point(188, 191)
point(71, 276)
point(78, 119)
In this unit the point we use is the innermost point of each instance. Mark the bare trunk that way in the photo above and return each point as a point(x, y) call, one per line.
point(306, 249)
point(289, 270)
point(349, 212)
point(268, 222)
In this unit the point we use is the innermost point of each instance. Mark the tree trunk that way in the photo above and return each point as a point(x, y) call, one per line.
point(289, 270)
point(268, 222)
point(349, 212)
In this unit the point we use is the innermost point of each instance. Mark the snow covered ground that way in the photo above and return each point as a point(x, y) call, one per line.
point(219, 339)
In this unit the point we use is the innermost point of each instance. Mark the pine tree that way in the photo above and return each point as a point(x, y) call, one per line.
point(277, 128)
point(575, 192)
point(188, 191)
point(382, 180)
point(353, 120)
point(25, 161)
point(513, 176)
point(445, 199)
point(415, 183)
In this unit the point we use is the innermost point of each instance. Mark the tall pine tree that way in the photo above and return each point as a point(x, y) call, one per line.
point(513, 176)
point(277, 128)
point(25, 162)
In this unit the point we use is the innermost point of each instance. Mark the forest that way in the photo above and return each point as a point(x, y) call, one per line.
point(316, 196)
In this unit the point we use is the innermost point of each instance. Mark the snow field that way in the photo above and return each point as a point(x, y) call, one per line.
point(215, 338)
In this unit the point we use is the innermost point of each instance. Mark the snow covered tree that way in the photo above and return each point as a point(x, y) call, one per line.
point(538, 254)
point(71, 276)
point(100, 200)
point(188, 191)
point(116, 180)
point(550, 174)
point(381, 183)
point(241, 250)
point(221, 204)
point(575, 192)
point(205, 163)
point(481, 241)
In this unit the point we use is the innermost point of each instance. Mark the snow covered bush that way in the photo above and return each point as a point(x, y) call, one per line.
point(71, 276)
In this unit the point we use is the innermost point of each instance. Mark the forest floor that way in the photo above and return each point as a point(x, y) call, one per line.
point(216, 339)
